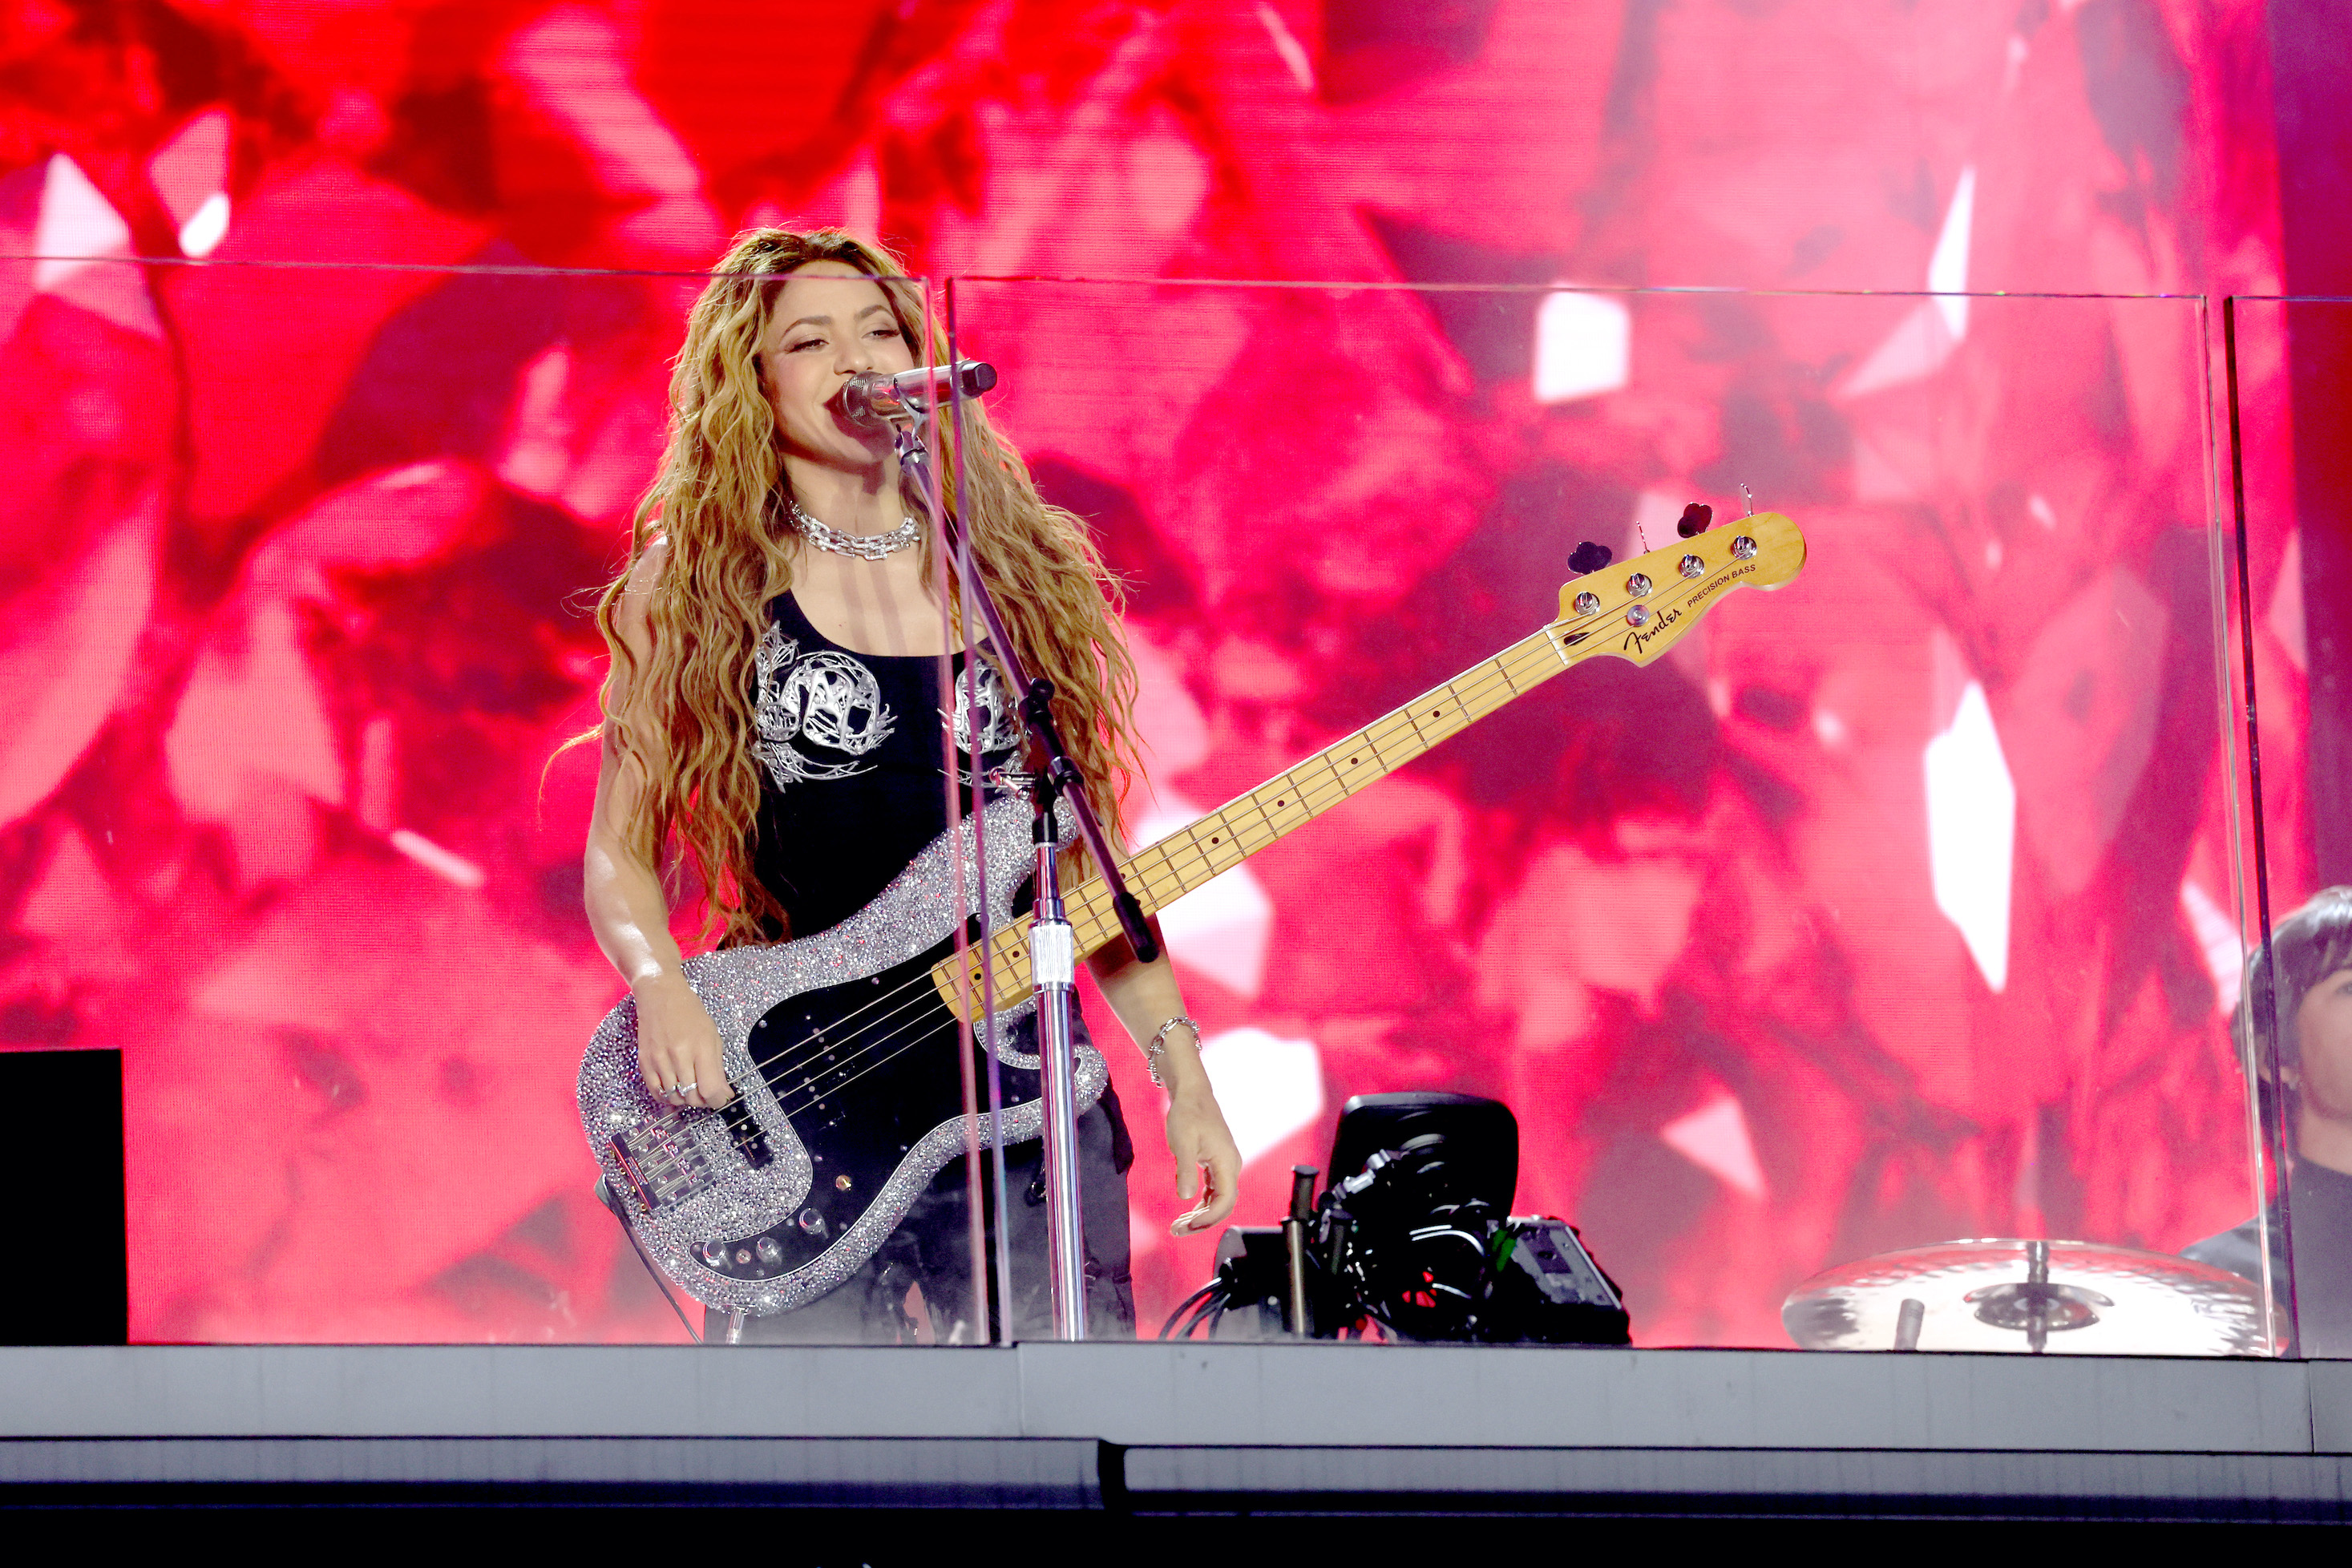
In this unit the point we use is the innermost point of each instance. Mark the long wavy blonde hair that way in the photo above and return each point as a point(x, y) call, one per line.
point(719, 503)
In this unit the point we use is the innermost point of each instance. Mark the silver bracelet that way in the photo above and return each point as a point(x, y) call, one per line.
point(1151, 1053)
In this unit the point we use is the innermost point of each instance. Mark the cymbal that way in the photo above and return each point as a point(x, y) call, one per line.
point(2075, 1298)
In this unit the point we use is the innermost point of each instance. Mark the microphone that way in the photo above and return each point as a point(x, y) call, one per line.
point(873, 398)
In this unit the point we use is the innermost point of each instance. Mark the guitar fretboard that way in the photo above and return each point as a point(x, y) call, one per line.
point(1659, 595)
point(1163, 872)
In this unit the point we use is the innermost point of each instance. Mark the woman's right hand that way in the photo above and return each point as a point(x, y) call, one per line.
point(677, 1045)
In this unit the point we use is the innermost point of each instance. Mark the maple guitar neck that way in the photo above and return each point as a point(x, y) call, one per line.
point(1593, 621)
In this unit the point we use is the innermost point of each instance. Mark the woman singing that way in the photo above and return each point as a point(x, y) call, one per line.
point(775, 643)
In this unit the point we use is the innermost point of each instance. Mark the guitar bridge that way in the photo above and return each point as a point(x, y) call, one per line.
point(661, 1164)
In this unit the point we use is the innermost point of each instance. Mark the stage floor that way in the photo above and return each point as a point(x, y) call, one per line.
point(1186, 1428)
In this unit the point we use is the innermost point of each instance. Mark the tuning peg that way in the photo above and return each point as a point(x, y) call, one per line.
point(1589, 558)
point(1697, 517)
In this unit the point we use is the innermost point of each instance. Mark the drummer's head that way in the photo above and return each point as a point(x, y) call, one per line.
point(2300, 989)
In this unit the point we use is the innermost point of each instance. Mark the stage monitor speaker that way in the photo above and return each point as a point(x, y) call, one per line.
point(67, 1146)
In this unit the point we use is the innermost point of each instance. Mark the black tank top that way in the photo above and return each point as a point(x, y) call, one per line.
point(850, 785)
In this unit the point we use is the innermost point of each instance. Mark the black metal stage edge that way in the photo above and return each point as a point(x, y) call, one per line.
point(1198, 1429)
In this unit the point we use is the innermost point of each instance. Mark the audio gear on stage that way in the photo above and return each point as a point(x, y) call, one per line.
point(1415, 1243)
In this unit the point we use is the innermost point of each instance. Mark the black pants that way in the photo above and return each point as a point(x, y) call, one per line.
point(932, 1248)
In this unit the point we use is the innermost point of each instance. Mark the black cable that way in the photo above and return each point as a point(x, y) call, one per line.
point(661, 1283)
point(1211, 1311)
point(611, 1200)
point(1213, 1307)
point(1186, 1305)
point(1168, 1329)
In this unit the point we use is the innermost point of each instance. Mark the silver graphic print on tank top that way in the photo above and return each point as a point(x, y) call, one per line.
point(850, 789)
point(829, 696)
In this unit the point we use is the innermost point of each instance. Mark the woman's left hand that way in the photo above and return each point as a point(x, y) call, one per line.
point(1208, 1161)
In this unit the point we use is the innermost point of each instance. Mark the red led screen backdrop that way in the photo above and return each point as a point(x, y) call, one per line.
point(1893, 907)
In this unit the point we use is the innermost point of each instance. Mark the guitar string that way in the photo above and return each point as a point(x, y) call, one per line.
point(1486, 671)
point(1156, 867)
point(1158, 884)
point(1162, 881)
point(1491, 679)
point(1542, 654)
point(1536, 655)
point(1534, 662)
point(816, 1095)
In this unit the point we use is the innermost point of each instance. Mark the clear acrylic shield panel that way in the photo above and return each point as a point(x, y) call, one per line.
point(1894, 907)
point(2284, 361)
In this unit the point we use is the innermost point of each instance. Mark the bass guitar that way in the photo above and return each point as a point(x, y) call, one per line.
point(841, 1046)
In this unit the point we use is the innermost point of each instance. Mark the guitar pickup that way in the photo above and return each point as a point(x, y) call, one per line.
point(741, 1126)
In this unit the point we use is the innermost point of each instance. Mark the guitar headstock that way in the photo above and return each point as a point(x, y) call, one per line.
point(1637, 609)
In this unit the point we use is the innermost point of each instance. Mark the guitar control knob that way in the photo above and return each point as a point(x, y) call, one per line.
point(1637, 585)
point(1588, 603)
point(769, 1253)
point(714, 1253)
point(1639, 616)
point(811, 1221)
point(1694, 567)
point(1744, 547)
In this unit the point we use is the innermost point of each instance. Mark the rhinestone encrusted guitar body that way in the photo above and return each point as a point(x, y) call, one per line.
point(842, 1050)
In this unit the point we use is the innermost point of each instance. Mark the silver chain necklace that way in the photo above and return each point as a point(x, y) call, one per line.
point(864, 546)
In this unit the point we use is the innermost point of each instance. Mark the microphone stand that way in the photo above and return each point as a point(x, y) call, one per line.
point(1052, 948)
